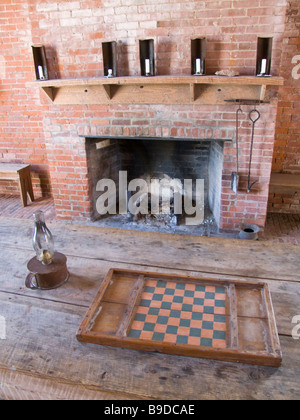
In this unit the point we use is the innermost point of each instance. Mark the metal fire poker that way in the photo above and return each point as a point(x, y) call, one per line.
point(235, 175)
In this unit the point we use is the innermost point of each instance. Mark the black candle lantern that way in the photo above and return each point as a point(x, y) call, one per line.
point(264, 56)
point(109, 53)
point(40, 62)
point(147, 57)
point(48, 269)
point(198, 56)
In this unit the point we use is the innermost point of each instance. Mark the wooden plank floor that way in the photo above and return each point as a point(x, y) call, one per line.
point(41, 358)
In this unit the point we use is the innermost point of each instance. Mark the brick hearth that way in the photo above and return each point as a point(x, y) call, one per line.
point(283, 228)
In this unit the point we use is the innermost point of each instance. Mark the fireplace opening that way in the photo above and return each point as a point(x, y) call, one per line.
point(159, 184)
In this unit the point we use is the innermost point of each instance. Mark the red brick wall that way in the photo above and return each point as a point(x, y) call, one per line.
point(287, 144)
point(286, 157)
point(21, 113)
point(34, 130)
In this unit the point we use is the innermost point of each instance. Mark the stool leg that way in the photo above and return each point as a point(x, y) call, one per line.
point(29, 188)
point(25, 185)
point(23, 192)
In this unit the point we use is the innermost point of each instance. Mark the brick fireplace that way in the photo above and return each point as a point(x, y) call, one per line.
point(53, 137)
point(72, 187)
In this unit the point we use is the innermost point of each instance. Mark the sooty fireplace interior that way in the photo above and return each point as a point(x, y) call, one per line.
point(163, 159)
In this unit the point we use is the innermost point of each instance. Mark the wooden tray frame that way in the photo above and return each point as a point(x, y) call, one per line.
point(270, 356)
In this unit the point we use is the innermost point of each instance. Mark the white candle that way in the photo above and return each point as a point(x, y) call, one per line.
point(147, 66)
point(41, 73)
point(198, 66)
point(263, 66)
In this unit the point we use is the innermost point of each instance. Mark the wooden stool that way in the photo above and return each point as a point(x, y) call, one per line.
point(20, 173)
point(284, 183)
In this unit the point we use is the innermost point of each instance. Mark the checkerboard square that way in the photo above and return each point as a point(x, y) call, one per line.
point(208, 317)
point(182, 339)
point(134, 333)
point(146, 335)
point(188, 300)
point(170, 338)
point(195, 332)
point(207, 325)
point(176, 306)
point(158, 336)
point(149, 326)
point(177, 299)
point(162, 319)
point(175, 314)
point(189, 293)
point(185, 323)
point(164, 312)
point(155, 304)
point(219, 318)
point(220, 335)
point(197, 315)
point(187, 307)
point(171, 284)
point(208, 309)
point(161, 284)
point(145, 302)
point(220, 303)
point(207, 342)
point(157, 296)
point(171, 329)
point(140, 317)
point(166, 305)
point(169, 291)
point(198, 301)
point(194, 323)
point(209, 295)
point(153, 311)
point(183, 331)
point(162, 328)
point(194, 341)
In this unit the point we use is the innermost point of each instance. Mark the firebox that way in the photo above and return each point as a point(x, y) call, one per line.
point(187, 172)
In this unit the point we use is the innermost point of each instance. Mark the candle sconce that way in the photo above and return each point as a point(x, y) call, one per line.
point(109, 53)
point(40, 62)
point(264, 56)
point(147, 57)
point(198, 56)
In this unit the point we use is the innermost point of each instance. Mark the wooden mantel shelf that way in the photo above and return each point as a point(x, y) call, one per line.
point(157, 89)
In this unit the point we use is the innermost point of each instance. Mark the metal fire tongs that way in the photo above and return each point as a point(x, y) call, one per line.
point(254, 116)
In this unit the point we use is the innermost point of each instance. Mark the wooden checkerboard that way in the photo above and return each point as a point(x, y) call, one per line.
point(229, 320)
